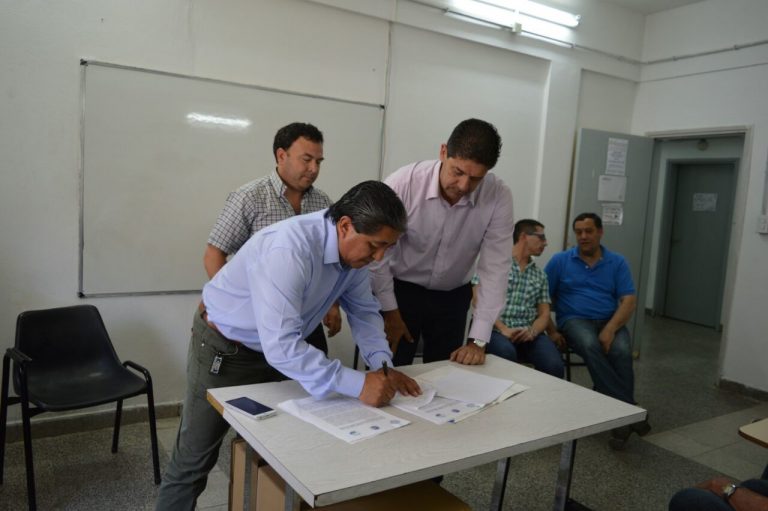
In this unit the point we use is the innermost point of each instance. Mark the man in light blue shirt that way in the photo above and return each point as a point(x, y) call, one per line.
point(258, 309)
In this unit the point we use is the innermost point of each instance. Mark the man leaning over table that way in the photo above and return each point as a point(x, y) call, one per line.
point(287, 191)
point(459, 214)
point(258, 309)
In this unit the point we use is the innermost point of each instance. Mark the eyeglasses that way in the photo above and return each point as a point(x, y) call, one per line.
point(539, 235)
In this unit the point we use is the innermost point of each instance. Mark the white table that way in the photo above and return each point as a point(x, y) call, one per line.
point(323, 470)
point(756, 432)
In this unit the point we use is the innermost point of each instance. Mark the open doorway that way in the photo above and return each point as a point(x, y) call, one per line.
point(696, 197)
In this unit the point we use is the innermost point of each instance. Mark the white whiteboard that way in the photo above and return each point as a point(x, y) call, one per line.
point(154, 181)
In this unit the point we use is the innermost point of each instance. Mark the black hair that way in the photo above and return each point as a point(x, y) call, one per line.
point(526, 226)
point(370, 205)
point(287, 135)
point(475, 140)
point(584, 216)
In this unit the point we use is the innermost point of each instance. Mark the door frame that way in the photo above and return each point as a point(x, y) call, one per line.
point(667, 221)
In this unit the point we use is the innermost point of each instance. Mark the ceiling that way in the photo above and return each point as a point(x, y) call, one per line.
point(651, 6)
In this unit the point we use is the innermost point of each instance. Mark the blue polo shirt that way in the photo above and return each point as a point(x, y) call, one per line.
point(579, 291)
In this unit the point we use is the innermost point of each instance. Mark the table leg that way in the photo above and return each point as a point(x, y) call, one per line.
point(564, 473)
point(500, 484)
point(292, 499)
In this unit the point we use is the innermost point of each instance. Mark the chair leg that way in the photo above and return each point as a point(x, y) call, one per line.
point(25, 420)
point(153, 431)
point(116, 431)
point(4, 412)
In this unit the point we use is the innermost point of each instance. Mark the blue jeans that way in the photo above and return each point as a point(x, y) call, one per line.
point(611, 372)
point(202, 428)
point(696, 499)
point(541, 352)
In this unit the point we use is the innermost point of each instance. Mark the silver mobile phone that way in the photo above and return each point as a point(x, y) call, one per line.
point(252, 408)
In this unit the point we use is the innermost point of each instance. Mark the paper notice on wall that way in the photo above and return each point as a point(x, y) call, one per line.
point(705, 202)
point(613, 213)
point(611, 188)
point(616, 163)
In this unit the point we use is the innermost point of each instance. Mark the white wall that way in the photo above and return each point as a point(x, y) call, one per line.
point(723, 90)
point(606, 103)
point(531, 89)
point(286, 44)
point(437, 81)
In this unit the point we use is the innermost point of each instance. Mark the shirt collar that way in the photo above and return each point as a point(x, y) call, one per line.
point(280, 187)
point(531, 262)
point(433, 191)
point(603, 253)
point(331, 248)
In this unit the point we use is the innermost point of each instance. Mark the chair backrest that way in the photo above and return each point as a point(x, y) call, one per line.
point(65, 339)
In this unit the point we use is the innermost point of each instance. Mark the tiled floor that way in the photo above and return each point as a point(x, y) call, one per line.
point(695, 436)
point(716, 443)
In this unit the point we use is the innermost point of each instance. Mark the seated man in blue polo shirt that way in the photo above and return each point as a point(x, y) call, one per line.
point(594, 297)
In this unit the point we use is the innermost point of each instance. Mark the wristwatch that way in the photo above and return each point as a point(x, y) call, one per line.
point(729, 490)
point(479, 343)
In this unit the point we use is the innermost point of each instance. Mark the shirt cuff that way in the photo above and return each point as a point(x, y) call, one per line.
point(480, 330)
point(350, 382)
point(377, 360)
point(387, 300)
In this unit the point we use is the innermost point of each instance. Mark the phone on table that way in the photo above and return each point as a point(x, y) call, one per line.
point(252, 408)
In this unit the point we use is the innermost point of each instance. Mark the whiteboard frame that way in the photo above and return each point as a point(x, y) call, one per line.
point(84, 63)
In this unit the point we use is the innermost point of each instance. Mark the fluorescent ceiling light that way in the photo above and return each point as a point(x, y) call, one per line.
point(230, 122)
point(485, 12)
point(505, 12)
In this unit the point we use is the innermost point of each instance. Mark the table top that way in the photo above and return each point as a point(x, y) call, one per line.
point(756, 432)
point(323, 469)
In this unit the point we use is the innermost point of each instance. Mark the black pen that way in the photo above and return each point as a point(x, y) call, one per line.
point(386, 371)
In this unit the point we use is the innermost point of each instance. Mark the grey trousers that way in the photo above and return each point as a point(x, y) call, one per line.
point(202, 428)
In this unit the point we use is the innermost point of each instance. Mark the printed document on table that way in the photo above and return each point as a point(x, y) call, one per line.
point(470, 387)
point(441, 410)
point(451, 395)
point(432, 407)
point(343, 417)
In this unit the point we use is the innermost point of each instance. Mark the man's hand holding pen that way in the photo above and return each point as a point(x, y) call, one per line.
point(381, 386)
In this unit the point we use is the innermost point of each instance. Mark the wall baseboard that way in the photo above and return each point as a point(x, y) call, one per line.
point(50, 425)
point(742, 389)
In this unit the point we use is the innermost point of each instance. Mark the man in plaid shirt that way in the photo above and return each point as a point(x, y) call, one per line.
point(519, 332)
point(287, 191)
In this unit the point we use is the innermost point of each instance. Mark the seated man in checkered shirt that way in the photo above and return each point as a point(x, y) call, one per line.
point(285, 192)
point(519, 332)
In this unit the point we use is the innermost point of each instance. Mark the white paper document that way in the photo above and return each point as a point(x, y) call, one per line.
point(616, 161)
point(613, 213)
point(428, 393)
point(467, 386)
point(343, 417)
point(450, 394)
point(611, 188)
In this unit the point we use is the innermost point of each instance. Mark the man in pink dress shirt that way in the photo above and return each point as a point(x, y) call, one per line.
point(459, 215)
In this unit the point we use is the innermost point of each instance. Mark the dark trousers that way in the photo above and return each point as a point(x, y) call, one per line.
point(317, 339)
point(438, 317)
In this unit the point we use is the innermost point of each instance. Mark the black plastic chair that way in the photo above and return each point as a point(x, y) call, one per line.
point(569, 362)
point(63, 359)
